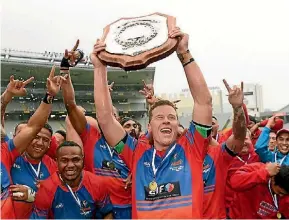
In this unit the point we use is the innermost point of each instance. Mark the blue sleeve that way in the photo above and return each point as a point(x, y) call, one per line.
point(38, 214)
point(6, 138)
point(105, 207)
point(42, 204)
point(261, 146)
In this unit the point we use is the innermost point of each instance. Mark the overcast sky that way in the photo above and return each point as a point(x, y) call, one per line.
point(238, 40)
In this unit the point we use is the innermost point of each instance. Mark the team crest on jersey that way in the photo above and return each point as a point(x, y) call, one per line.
point(176, 164)
point(162, 191)
point(85, 208)
point(206, 168)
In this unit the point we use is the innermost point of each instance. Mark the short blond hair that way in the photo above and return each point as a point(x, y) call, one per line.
point(158, 103)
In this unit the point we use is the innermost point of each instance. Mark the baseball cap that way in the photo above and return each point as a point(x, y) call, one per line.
point(281, 131)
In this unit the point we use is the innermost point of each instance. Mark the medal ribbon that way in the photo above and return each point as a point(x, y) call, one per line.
point(110, 151)
point(153, 159)
point(243, 160)
point(74, 195)
point(281, 161)
point(274, 197)
point(36, 172)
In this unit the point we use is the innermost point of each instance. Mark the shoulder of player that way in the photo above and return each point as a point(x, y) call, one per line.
point(214, 148)
point(91, 177)
point(92, 182)
point(92, 122)
point(49, 163)
point(51, 183)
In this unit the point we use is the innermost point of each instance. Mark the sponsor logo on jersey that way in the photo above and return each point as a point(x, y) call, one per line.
point(163, 191)
point(58, 206)
point(176, 164)
point(17, 166)
point(147, 164)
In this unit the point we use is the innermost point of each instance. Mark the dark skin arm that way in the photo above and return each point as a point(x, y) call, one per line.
point(14, 88)
point(40, 116)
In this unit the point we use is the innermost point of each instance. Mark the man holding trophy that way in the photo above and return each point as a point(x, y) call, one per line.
point(166, 169)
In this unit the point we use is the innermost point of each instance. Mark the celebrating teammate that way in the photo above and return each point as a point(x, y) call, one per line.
point(15, 147)
point(100, 158)
point(219, 157)
point(72, 193)
point(166, 176)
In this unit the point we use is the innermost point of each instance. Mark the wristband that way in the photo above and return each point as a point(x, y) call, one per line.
point(64, 70)
point(48, 99)
point(185, 57)
point(31, 194)
point(66, 64)
point(191, 60)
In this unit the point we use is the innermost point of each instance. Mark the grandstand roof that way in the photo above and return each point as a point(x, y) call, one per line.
point(23, 64)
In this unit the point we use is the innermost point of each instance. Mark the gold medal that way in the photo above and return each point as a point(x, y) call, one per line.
point(279, 215)
point(153, 185)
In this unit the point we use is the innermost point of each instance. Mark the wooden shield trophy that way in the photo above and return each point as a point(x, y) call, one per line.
point(134, 43)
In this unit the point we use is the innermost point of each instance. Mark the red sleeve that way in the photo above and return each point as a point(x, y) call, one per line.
point(52, 149)
point(43, 200)
point(227, 157)
point(9, 153)
point(248, 176)
point(198, 137)
point(225, 135)
point(88, 132)
point(89, 137)
point(97, 187)
point(50, 164)
point(126, 148)
point(255, 136)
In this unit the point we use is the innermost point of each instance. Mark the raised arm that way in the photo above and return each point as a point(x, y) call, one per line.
point(261, 146)
point(14, 88)
point(110, 127)
point(236, 141)
point(202, 111)
point(40, 116)
point(76, 116)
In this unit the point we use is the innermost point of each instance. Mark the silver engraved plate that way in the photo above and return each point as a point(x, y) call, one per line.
point(134, 43)
point(137, 35)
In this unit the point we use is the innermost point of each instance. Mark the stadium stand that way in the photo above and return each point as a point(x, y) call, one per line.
point(23, 64)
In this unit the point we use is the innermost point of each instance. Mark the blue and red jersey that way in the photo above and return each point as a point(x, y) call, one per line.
point(176, 190)
point(54, 200)
point(105, 161)
point(253, 199)
point(8, 155)
point(215, 171)
point(52, 148)
point(23, 174)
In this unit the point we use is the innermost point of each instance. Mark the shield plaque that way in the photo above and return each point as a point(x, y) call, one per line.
point(134, 43)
